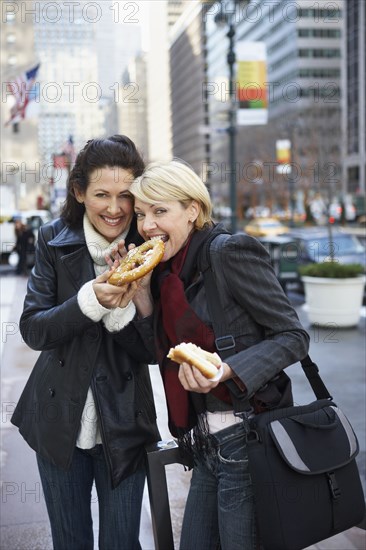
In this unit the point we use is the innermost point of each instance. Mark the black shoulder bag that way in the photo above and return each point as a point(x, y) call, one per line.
point(305, 478)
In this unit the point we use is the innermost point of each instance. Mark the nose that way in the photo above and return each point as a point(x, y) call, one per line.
point(148, 223)
point(113, 206)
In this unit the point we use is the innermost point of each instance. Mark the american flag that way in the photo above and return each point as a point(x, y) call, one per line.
point(65, 159)
point(24, 91)
point(60, 161)
point(69, 150)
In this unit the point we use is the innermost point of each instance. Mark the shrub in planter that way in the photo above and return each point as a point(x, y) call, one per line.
point(333, 270)
point(333, 293)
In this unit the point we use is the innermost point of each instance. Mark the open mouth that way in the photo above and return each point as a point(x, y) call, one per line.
point(164, 238)
point(112, 221)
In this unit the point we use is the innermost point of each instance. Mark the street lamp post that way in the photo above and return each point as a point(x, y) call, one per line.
point(229, 19)
point(223, 18)
point(231, 58)
point(291, 128)
point(291, 180)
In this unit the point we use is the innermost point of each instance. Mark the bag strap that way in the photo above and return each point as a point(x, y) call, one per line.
point(311, 371)
point(225, 342)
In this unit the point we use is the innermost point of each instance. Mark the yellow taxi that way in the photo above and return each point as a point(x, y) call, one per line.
point(265, 227)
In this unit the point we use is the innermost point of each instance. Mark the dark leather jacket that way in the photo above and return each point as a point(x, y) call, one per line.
point(77, 353)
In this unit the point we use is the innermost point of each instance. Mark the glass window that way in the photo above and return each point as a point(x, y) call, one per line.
point(12, 60)
point(10, 38)
point(10, 17)
point(343, 245)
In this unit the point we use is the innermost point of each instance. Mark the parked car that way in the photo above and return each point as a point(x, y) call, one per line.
point(314, 245)
point(311, 245)
point(262, 227)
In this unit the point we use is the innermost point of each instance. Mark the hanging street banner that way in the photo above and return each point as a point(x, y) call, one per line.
point(252, 92)
point(283, 156)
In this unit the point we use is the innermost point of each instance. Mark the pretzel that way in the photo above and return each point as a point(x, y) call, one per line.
point(138, 262)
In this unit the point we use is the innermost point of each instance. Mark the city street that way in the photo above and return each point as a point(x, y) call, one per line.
point(340, 355)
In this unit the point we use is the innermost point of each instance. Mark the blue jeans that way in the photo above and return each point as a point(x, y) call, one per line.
point(68, 499)
point(219, 511)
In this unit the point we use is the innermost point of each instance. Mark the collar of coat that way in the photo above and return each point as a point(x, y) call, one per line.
point(77, 261)
point(68, 236)
point(64, 235)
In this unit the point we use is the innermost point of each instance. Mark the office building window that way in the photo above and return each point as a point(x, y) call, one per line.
point(353, 174)
point(323, 15)
point(319, 33)
point(319, 52)
point(10, 18)
point(10, 38)
point(12, 60)
point(319, 73)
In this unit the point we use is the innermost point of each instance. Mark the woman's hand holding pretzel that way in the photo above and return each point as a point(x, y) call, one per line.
point(141, 288)
point(111, 296)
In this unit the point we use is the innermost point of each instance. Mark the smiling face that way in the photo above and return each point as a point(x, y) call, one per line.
point(169, 220)
point(108, 202)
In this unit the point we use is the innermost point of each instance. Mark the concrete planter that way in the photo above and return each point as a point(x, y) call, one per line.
point(336, 301)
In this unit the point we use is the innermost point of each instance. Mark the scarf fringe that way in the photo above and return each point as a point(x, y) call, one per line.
point(197, 444)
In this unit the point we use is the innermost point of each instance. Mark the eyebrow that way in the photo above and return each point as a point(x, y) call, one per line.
point(107, 191)
point(150, 205)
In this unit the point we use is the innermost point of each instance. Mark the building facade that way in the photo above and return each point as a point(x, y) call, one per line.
point(83, 49)
point(303, 48)
point(190, 123)
point(133, 106)
point(162, 17)
point(354, 105)
point(20, 168)
point(71, 94)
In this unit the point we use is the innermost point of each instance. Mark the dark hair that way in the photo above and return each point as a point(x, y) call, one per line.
point(113, 151)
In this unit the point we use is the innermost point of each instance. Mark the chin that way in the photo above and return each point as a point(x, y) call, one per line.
point(113, 232)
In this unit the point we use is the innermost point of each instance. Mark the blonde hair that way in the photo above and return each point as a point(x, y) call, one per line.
point(173, 180)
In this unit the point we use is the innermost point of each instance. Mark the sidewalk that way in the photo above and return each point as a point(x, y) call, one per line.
point(24, 524)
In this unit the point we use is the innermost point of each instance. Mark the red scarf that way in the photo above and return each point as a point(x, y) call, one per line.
point(177, 322)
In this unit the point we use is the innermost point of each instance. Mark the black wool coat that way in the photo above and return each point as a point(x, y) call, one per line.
point(77, 353)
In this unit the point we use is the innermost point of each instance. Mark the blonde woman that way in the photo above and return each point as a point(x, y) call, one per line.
point(209, 418)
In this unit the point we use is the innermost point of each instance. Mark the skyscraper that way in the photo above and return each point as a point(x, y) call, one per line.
point(303, 46)
point(84, 50)
point(65, 42)
point(188, 76)
point(20, 167)
point(132, 105)
point(162, 17)
point(354, 104)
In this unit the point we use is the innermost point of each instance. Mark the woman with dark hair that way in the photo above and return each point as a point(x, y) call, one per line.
point(87, 409)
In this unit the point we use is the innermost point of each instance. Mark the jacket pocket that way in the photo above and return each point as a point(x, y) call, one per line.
point(45, 381)
point(144, 396)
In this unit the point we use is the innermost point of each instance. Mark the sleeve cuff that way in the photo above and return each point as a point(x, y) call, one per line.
point(89, 304)
point(116, 319)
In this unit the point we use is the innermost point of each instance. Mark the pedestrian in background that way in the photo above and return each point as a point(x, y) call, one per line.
point(87, 408)
point(173, 203)
point(24, 246)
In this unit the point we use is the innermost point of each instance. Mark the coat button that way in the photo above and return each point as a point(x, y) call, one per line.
point(139, 413)
point(61, 362)
point(52, 392)
point(128, 376)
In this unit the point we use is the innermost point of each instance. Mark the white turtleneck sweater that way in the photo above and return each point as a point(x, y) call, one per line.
point(113, 319)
